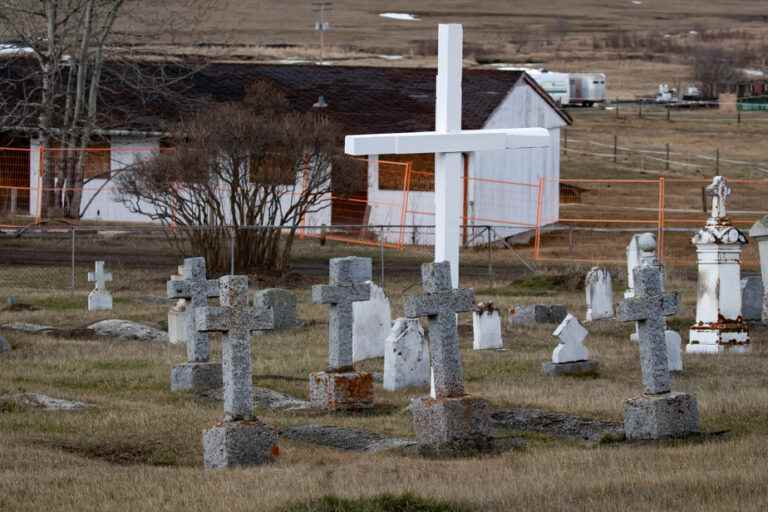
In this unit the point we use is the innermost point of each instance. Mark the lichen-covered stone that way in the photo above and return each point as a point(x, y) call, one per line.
point(4, 345)
point(452, 425)
point(661, 416)
point(196, 377)
point(341, 391)
point(571, 368)
point(406, 356)
point(752, 298)
point(351, 269)
point(239, 443)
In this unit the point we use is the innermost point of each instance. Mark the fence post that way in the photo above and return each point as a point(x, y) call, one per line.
point(617, 108)
point(667, 155)
point(615, 149)
point(660, 234)
point(232, 252)
point(539, 202)
point(381, 256)
point(640, 109)
point(669, 114)
point(490, 258)
point(72, 282)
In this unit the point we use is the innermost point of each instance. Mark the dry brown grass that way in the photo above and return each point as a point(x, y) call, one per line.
point(139, 447)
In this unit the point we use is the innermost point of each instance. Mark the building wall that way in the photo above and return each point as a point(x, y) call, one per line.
point(106, 205)
point(490, 202)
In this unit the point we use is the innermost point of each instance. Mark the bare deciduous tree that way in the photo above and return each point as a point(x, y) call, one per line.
point(56, 55)
point(255, 170)
point(716, 69)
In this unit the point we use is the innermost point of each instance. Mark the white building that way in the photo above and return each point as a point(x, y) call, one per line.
point(501, 187)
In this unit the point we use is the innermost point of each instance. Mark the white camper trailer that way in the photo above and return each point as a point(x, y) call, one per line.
point(555, 84)
point(587, 89)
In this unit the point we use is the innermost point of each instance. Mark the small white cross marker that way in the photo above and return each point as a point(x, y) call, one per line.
point(100, 277)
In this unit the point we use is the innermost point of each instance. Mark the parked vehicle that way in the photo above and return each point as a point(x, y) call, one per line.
point(555, 84)
point(587, 89)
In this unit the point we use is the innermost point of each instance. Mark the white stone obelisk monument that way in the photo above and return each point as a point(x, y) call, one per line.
point(719, 325)
point(448, 142)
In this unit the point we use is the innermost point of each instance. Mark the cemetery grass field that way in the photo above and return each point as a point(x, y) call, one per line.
point(139, 446)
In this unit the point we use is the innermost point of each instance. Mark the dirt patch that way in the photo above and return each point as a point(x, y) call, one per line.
point(128, 452)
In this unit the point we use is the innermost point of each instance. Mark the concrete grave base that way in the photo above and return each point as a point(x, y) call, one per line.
point(571, 368)
point(196, 377)
point(341, 391)
point(661, 416)
point(714, 341)
point(452, 425)
point(99, 301)
point(239, 443)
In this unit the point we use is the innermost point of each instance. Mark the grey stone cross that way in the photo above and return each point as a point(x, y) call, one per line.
point(648, 308)
point(440, 305)
point(236, 320)
point(196, 288)
point(100, 277)
point(348, 284)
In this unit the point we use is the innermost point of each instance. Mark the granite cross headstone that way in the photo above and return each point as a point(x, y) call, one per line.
point(195, 287)
point(440, 305)
point(237, 320)
point(348, 284)
point(341, 387)
point(240, 440)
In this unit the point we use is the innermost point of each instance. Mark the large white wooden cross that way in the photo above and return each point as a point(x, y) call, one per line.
point(448, 142)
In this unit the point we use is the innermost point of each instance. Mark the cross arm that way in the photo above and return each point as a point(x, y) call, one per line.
point(642, 308)
point(334, 294)
point(212, 319)
point(451, 142)
point(458, 301)
point(177, 289)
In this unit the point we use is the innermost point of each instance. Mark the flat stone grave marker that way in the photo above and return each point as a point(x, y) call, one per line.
point(406, 356)
point(752, 298)
point(241, 439)
point(99, 299)
point(341, 387)
point(194, 288)
point(450, 421)
point(372, 322)
point(659, 413)
point(599, 290)
point(486, 327)
point(282, 302)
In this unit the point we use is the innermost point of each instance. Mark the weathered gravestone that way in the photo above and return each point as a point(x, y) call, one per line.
point(178, 321)
point(99, 299)
point(341, 387)
point(599, 290)
point(486, 327)
point(282, 303)
point(633, 261)
point(198, 374)
point(449, 421)
point(536, 314)
point(659, 413)
point(406, 356)
point(570, 357)
point(241, 439)
point(4, 345)
point(719, 323)
point(372, 322)
point(759, 233)
point(752, 298)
